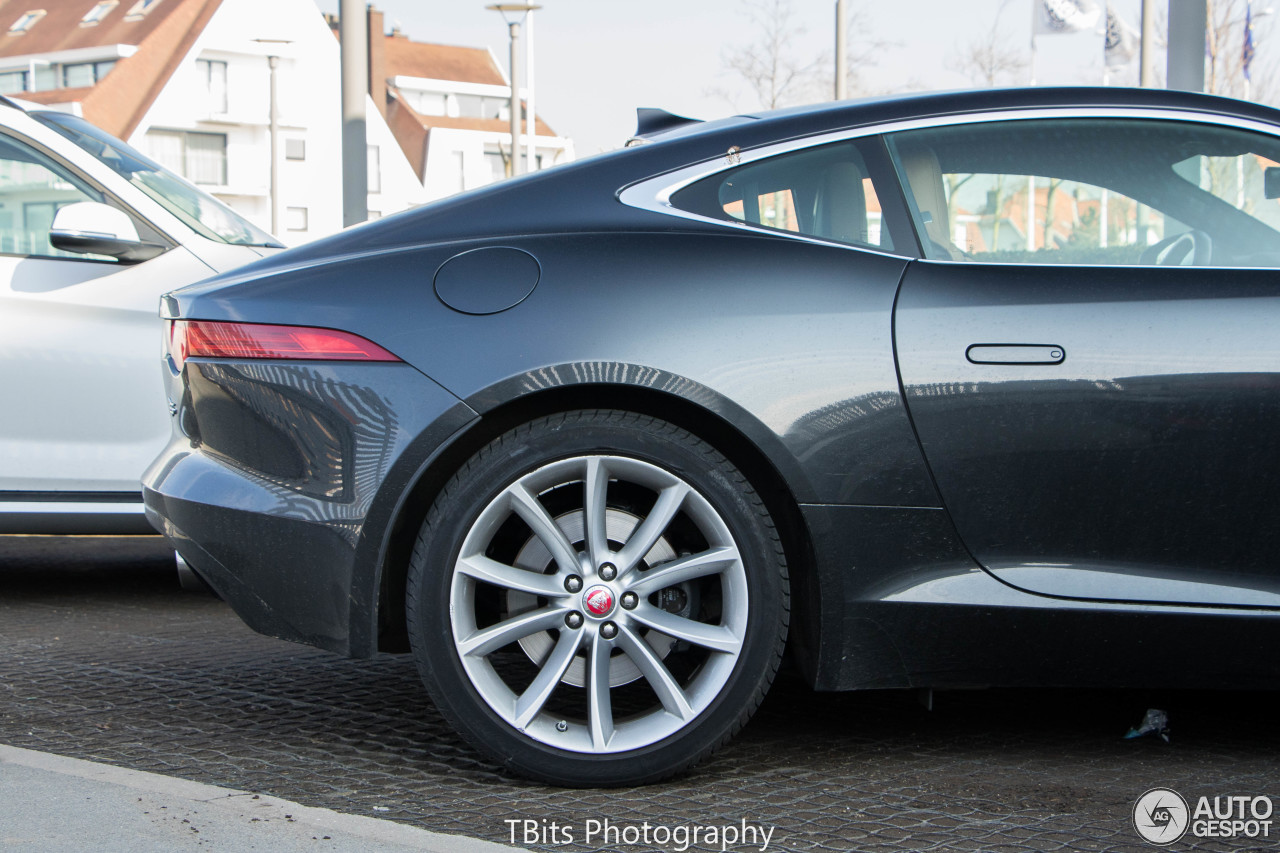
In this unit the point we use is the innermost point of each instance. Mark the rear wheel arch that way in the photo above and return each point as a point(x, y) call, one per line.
point(711, 427)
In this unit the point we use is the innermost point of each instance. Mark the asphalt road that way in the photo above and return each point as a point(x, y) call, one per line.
point(105, 658)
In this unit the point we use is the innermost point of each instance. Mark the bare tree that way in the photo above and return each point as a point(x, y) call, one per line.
point(1222, 64)
point(863, 47)
point(771, 65)
point(988, 58)
point(1224, 53)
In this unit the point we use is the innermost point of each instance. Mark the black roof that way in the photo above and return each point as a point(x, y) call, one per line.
point(834, 115)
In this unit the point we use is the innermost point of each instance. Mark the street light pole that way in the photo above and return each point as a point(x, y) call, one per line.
point(514, 28)
point(842, 51)
point(531, 137)
point(354, 28)
point(517, 11)
point(1184, 65)
point(273, 63)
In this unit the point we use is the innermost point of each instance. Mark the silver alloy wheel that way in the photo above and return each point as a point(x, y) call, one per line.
point(591, 623)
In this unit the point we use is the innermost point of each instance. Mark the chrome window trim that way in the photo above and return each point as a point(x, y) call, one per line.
point(654, 194)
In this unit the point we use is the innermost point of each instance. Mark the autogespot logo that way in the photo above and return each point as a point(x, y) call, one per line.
point(1161, 816)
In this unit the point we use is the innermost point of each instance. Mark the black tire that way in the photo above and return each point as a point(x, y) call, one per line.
point(492, 629)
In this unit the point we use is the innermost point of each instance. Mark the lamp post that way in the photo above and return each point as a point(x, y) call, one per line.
point(531, 137)
point(353, 27)
point(273, 62)
point(513, 14)
point(842, 51)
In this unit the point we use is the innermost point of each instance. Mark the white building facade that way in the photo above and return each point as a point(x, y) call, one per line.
point(212, 122)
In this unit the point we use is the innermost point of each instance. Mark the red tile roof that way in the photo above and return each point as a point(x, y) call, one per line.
point(119, 101)
point(407, 58)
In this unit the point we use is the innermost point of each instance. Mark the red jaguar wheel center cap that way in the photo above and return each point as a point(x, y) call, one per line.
point(598, 600)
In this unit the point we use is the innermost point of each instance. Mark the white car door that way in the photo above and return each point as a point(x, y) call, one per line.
point(81, 406)
point(80, 343)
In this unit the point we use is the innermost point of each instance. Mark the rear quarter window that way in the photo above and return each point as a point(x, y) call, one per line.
point(824, 192)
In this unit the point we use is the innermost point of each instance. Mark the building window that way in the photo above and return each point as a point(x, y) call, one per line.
point(295, 219)
point(295, 149)
point(98, 12)
point(199, 157)
point(140, 9)
point(475, 106)
point(374, 176)
point(13, 81)
point(373, 214)
point(26, 22)
point(213, 74)
point(85, 73)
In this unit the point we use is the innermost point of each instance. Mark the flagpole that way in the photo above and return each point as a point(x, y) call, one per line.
point(1033, 51)
point(1146, 55)
point(1106, 32)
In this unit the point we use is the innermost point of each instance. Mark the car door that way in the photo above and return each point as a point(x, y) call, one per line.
point(1094, 377)
point(83, 409)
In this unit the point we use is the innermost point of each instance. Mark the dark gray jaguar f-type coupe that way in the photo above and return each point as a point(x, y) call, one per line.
point(936, 391)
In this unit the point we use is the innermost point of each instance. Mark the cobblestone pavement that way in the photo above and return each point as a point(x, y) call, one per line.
point(105, 658)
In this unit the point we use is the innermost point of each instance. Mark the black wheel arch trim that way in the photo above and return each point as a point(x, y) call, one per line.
point(377, 615)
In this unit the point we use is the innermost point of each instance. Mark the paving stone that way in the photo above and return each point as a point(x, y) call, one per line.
point(105, 658)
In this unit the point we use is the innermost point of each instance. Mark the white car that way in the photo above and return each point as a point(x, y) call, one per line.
point(91, 234)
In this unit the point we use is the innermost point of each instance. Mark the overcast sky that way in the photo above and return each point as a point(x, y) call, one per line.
point(597, 60)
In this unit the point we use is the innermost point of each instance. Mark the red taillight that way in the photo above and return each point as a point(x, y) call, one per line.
point(208, 339)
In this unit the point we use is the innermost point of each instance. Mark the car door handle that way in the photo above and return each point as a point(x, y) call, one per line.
point(1015, 354)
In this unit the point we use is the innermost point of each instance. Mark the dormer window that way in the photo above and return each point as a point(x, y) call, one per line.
point(98, 12)
point(140, 9)
point(26, 22)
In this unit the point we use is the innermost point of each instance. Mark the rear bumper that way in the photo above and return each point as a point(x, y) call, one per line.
point(282, 480)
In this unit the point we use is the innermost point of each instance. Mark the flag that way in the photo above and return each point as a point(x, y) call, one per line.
point(1246, 50)
point(1054, 17)
point(1122, 41)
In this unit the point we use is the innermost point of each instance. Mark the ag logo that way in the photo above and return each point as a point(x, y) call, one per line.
point(1161, 816)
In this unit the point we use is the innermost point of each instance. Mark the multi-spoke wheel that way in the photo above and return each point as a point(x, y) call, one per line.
point(598, 598)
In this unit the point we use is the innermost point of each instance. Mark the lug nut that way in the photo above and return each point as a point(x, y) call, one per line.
point(630, 600)
point(574, 620)
point(573, 583)
point(608, 630)
point(608, 571)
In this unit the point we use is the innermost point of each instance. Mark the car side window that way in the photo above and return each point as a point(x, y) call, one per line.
point(32, 189)
point(1092, 192)
point(824, 192)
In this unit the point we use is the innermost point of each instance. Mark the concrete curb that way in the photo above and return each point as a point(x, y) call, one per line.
point(239, 814)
